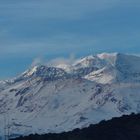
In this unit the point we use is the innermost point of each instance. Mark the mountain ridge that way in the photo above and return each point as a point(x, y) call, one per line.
point(47, 99)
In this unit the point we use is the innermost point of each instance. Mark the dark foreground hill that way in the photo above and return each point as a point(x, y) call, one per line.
point(123, 128)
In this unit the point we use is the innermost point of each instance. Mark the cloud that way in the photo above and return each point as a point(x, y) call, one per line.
point(37, 61)
point(55, 62)
point(62, 61)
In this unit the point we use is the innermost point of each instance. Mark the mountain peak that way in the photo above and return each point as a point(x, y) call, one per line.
point(106, 55)
point(89, 61)
point(42, 71)
point(122, 66)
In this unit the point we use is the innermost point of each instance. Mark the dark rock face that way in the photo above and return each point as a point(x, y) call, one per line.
point(123, 128)
point(43, 72)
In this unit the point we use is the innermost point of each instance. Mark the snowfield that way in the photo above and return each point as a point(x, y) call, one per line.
point(55, 99)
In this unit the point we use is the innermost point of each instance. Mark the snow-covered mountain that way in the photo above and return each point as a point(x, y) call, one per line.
point(55, 99)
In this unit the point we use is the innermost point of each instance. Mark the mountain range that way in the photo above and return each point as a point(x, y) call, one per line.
point(60, 98)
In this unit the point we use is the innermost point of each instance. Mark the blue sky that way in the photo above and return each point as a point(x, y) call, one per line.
point(51, 29)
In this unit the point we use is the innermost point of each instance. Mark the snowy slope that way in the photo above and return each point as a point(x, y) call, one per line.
point(51, 99)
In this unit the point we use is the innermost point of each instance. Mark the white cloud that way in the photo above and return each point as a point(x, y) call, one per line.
point(62, 60)
point(37, 61)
